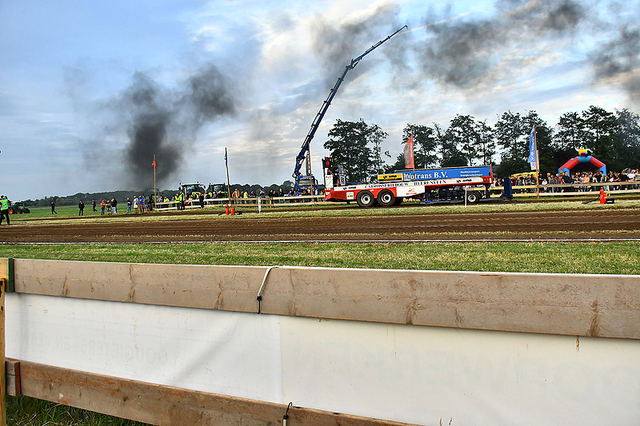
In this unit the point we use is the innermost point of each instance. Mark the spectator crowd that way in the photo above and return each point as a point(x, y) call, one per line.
point(579, 181)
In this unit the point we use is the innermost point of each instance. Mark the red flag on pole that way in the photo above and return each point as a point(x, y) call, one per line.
point(154, 164)
point(408, 153)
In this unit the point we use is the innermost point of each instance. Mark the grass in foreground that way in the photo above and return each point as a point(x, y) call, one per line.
point(25, 411)
point(545, 257)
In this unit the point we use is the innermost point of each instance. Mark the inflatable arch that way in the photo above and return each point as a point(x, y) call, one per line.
point(588, 162)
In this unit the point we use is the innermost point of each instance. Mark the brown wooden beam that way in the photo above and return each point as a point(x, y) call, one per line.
point(12, 370)
point(165, 405)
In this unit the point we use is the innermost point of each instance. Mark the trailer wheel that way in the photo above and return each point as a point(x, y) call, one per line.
point(386, 198)
point(473, 197)
point(365, 199)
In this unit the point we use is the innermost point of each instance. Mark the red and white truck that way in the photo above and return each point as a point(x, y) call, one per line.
point(445, 184)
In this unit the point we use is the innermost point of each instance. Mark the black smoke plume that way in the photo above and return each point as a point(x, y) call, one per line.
point(462, 53)
point(620, 58)
point(165, 123)
point(336, 45)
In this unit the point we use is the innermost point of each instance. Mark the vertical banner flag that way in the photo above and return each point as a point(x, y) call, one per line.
point(408, 153)
point(532, 148)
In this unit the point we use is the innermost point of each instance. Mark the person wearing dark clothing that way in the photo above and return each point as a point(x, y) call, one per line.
point(201, 199)
point(114, 204)
point(93, 203)
point(566, 179)
point(81, 208)
point(508, 188)
point(53, 208)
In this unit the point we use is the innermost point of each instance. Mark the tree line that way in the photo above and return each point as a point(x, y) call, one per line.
point(612, 137)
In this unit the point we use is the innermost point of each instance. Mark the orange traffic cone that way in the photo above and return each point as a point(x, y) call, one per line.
point(603, 196)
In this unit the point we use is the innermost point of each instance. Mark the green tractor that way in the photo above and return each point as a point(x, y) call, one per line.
point(192, 190)
point(18, 208)
point(219, 189)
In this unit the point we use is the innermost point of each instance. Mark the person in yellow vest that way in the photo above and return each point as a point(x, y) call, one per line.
point(4, 209)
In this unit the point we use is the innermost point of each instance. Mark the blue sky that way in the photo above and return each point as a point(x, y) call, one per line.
point(84, 83)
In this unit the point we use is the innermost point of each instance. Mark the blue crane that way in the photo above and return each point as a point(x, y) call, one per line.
point(304, 151)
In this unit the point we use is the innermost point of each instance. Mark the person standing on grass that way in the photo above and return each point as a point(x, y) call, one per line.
point(53, 207)
point(81, 208)
point(93, 203)
point(114, 205)
point(4, 209)
point(102, 206)
point(128, 205)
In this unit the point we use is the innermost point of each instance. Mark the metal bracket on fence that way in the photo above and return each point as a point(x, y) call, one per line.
point(264, 281)
point(286, 415)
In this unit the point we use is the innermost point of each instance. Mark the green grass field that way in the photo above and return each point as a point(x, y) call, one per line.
point(62, 211)
point(578, 258)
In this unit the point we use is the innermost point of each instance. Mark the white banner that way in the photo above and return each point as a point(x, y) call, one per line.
point(423, 375)
point(214, 351)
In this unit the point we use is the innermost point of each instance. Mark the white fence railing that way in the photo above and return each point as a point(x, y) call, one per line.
point(574, 189)
point(265, 201)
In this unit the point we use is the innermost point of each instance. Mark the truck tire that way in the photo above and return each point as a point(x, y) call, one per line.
point(473, 197)
point(365, 199)
point(386, 198)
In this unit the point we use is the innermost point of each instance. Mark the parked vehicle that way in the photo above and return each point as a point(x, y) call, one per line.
point(447, 184)
point(18, 207)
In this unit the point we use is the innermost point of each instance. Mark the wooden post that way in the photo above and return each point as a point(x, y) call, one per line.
point(155, 188)
point(226, 165)
point(3, 408)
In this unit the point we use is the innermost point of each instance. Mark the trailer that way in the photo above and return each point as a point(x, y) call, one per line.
point(448, 184)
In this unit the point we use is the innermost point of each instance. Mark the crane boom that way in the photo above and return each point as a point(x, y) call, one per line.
point(304, 150)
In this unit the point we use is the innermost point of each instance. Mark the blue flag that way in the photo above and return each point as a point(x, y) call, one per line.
point(532, 146)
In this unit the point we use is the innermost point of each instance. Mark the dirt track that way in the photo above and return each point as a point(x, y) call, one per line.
point(540, 225)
